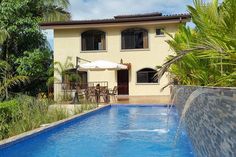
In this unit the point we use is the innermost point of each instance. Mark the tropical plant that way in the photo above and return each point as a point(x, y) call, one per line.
point(205, 55)
point(54, 10)
point(21, 20)
point(35, 64)
point(8, 80)
point(3, 36)
point(25, 113)
point(62, 69)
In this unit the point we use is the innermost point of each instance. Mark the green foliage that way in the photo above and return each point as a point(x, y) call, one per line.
point(36, 65)
point(3, 36)
point(8, 80)
point(25, 113)
point(62, 69)
point(29, 113)
point(7, 109)
point(21, 18)
point(20, 35)
point(205, 55)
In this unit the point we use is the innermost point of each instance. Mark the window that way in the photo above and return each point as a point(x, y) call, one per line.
point(146, 75)
point(134, 39)
point(159, 31)
point(93, 40)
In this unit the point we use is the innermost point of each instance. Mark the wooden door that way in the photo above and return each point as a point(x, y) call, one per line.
point(123, 82)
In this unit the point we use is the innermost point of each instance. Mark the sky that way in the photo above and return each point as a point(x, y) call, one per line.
point(100, 9)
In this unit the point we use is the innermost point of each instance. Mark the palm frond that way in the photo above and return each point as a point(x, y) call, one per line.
point(164, 68)
point(54, 13)
point(12, 81)
point(3, 36)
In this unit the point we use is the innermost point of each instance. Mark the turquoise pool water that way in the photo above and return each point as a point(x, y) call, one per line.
point(114, 131)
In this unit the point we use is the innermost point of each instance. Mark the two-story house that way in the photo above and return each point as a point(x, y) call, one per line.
point(135, 40)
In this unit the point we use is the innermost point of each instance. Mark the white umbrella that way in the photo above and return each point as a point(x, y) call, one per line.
point(102, 65)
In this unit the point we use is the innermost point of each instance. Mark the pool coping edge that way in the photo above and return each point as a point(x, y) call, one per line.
point(28, 134)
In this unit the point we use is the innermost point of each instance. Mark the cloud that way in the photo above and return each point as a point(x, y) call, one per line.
point(96, 9)
point(100, 9)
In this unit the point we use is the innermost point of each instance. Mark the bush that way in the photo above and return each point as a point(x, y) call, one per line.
point(25, 113)
point(7, 110)
point(8, 107)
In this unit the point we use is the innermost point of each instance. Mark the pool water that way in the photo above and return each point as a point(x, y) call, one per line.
point(115, 131)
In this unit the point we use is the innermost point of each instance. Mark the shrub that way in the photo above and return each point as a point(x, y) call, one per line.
point(7, 110)
point(25, 113)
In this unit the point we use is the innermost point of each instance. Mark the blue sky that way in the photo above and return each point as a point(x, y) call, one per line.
point(95, 9)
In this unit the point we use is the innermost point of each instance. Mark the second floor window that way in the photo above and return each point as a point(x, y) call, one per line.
point(160, 31)
point(134, 38)
point(93, 40)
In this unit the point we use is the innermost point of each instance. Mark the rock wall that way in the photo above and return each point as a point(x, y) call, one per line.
point(209, 115)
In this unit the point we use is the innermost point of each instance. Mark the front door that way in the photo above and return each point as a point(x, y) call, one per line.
point(123, 82)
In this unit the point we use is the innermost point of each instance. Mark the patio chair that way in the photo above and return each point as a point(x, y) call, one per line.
point(105, 94)
point(90, 94)
point(113, 93)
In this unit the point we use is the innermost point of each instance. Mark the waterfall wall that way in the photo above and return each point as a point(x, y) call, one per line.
point(210, 119)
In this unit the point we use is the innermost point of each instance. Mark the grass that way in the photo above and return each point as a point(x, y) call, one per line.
point(25, 113)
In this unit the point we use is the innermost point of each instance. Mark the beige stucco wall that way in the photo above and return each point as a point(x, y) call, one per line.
point(68, 43)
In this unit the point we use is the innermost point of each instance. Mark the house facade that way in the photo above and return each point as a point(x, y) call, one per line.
point(137, 41)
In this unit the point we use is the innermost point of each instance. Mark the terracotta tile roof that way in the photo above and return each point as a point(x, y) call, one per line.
point(122, 19)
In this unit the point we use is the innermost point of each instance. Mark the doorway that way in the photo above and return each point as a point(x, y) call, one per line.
point(123, 82)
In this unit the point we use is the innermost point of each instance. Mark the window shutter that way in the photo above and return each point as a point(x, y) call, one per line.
point(145, 39)
point(123, 41)
point(83, 44)
point(103, 43)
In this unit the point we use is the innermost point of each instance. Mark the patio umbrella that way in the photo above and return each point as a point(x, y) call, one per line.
point(102, 65)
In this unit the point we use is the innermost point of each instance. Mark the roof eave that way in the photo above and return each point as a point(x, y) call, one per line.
point(115, 22)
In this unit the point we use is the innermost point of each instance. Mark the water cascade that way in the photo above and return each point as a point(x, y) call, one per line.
point(170, 106)
point(186, 108)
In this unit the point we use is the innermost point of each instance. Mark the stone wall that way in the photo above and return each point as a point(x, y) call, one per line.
point(209, 115)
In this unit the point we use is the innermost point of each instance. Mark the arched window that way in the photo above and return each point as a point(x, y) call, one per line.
point(146, 75)
point(134, 38)
point(93, 40)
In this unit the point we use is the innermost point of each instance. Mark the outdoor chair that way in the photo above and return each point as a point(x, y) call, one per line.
point(113, 93)
point(90, 94)
point(104, 92)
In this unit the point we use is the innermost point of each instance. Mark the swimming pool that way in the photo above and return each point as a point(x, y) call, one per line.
point(113, 131)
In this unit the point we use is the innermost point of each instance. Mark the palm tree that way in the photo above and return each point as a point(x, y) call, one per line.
point(66, 76)
point(61, 68)
point(47, 10)
point(212, 43)
point(37, 11)
point(52, 10)
point(7, 80)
